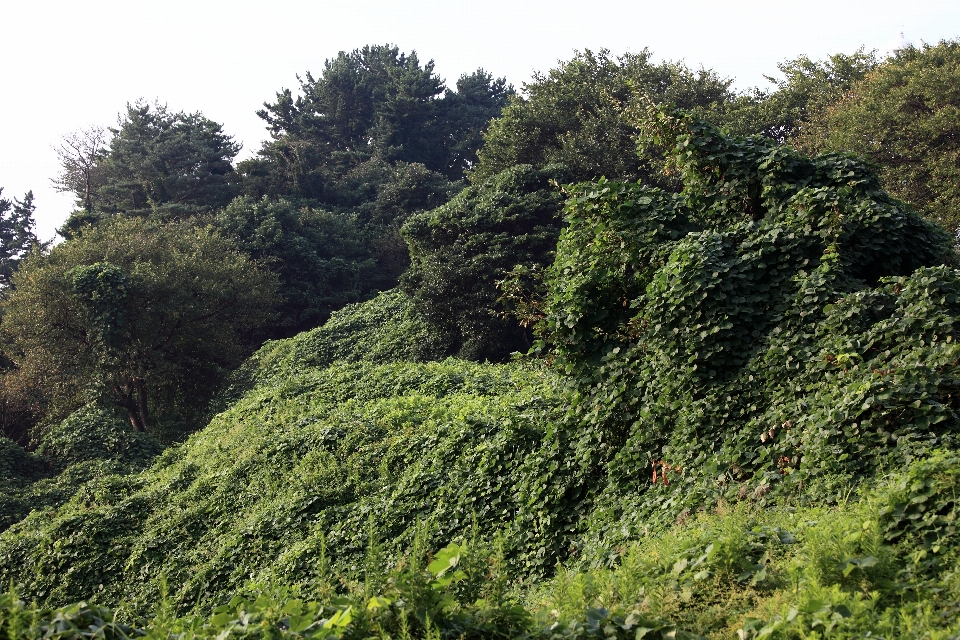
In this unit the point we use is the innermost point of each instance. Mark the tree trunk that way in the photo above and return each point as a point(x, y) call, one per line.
point(142, 402)
point(136, 409)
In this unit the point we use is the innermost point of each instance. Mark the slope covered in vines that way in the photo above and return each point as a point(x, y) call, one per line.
point(722, 370)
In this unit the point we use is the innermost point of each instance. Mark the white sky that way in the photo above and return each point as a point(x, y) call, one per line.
point(68, 65)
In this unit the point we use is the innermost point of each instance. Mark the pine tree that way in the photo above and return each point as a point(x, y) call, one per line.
point(17, 237)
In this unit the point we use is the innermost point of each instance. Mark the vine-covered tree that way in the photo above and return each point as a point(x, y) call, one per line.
point(460, 250)
point(570, 126)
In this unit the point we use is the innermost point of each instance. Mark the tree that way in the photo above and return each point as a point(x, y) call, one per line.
point(372, 104)
point(571, 126)
point(905, 117)
point(17, 238)
point(143, 315)
point(375, 138)
point(161, 164)
point(574, 115)
point(81, 160)
point(467, 113)
point(777, 294)
point(319, 256)
point(807, 86)
point(460, 250)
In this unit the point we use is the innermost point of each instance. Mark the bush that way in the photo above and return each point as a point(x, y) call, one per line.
point(781, 329)
point(95, 433)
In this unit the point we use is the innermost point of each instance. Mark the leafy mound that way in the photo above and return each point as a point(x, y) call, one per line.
point(384, 329)
point(881, 566)
point(90, 443)
point(320, 458)
point(93, 433)
point(18, 470)
point(884, 565)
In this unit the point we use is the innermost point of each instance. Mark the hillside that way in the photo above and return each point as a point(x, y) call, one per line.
point(743, 422)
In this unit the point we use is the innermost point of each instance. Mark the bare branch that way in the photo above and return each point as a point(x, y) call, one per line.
point(81, 154)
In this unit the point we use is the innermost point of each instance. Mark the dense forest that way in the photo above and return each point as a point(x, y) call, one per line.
point(624, 353)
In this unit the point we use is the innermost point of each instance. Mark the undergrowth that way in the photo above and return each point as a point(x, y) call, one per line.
point(319, 458)
point(882, 565)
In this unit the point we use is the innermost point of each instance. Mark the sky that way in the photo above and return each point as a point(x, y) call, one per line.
point(71, 65)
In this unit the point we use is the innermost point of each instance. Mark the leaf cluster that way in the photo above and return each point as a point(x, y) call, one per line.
point(460, 250)
point(903, 117)
point(141, 315)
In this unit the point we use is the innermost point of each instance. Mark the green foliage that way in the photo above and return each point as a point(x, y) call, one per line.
point(169, 166)
point(17, 238)
point(300, 464)
point(89, 444)
point(883, 565)
point(779, 324)
point(375, 138)
point(572, 125)
point(745, 421)
point(478, 99)
point(18, 470)
point(93, 433)
point(460, 250)
point(845, 572)
point(18, 466)
point(372, 104)
point(806, 88)
point(904, 117)
point(19, 621)
point(146, 316)
point(575, 116)
point(319, 256)
point(380, 196)
point(382, 330)
point(919, 516)
point(455, 595)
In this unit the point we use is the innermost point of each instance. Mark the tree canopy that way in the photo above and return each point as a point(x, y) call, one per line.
point(764, 298)
point(157, 163)
point(17, 238)
point(460, 250)
point(903, 116)
point(573, 115)
point(807, 86)
point(143, 315)
point(570, 126)
point(374, 103)
point(320, 257)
